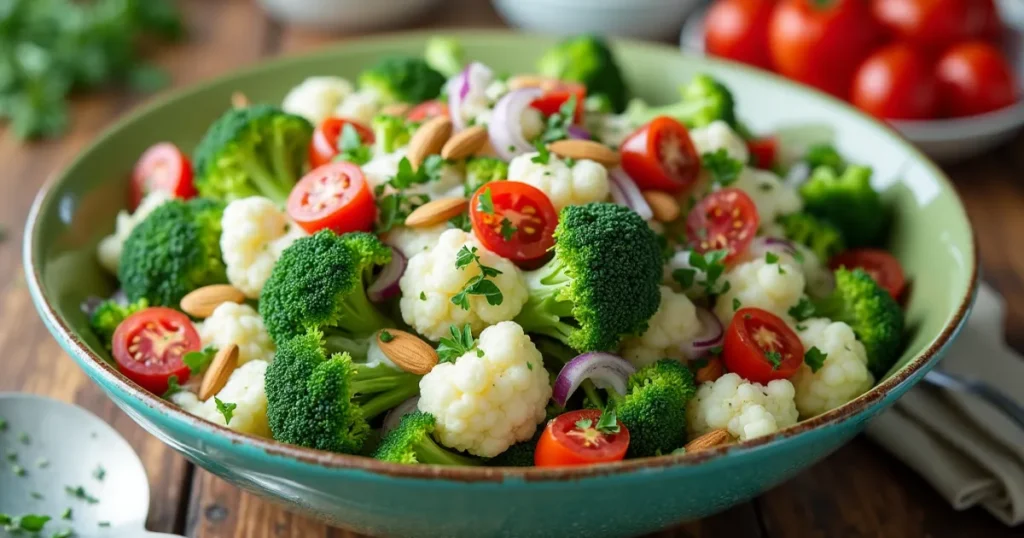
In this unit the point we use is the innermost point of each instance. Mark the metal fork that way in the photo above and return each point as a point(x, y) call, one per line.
point(985, 391)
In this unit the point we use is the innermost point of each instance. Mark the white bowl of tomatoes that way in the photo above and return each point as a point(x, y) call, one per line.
point(945, 73)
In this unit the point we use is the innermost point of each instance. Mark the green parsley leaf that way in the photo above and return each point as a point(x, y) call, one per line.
point(407, 176)
point(484, 202)
point(351, 147)
point(393, 208)
point(225, 409)
point(529, 366)
point(717, 350)
point(24, 438)
point(713, 265)
point(724, 169)
point(543, 155)
point(100, 473)
point(80, 493)
point(736, 304)
point(508, 229)
point(42, 463)
point(423, 296)
point(18, 470)
point(465, 256)
point(385, 336)
point(803, 310)
point(775, 358)
point(814, 358)
point(11, 455)
point(685, 277)
point(449, 349)
point(801, 327)
point(486, 288)
point(173, 387)
point(478, 285)
point(32, 522)
point(104, 523)
point(36, 495)
point(584, 424)
point(64, 533)
point(198, 360)
point(462, 222)
point(66, 514)
point(3, 424)
point(679, 451)
point(607, 423)
point(771, 257)
point(557, 125)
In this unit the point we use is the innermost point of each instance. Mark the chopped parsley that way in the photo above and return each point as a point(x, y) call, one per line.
point(529, 366)
point(36, 495)
point(80, 493)
point(478, 285)
point(543, 155)
point(814, 358)
point(608, 423)
point(775, 358)
point(11, 455)
point(462, 222)
point(3, 424)
point(736, 304)
point(66, 514)
point(407, 176)
point(717, 350)
point(449, 349)
point(385, 336)
point(104, 523)
point(18, 470)
point(724, 169)
point(27, 522)
point(226, 409)
point(65, 533)
point(802, 311)
point(173, 387)
point(685, 277)
point(393, 208)
point(351, 147)
point(42, 463)
point(771, 257)
point(100, 473)
point(713, 265)
point(423, 296)
point(507, 228)
point(198, 360)
point(557, 126)
point(484, 202)
point(24, 438)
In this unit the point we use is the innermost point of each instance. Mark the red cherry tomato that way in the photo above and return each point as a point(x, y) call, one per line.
point(554, 98)
point(162, 167)
point(760, 347)
point(932, 24)
point(426, 110)
point(149, 345)
point(661, 155)
point(896, 82)
point(738, 30)
point(573, 439)
point(325, 144)
point(882, 266)
point(334, 196)
point(725, 219)
point(764, 151)
point(975, 78)
point(822, 43)
point(993, 27)
point(518, 224)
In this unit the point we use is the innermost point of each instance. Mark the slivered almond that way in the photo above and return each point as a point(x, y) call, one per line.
point(239, 100)
point(407, 351)
point(519, 82)
point(223, 364)
point(709, 440)
point(429, 139)
point(465, 143)
point(436, 212)
point(201, 303)
point(663, 205)
point(395, 109)
point(586, 149)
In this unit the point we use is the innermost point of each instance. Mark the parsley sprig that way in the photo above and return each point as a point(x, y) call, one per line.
point(226, 409)
point(724, 169)
point(557, 126)
point(478, 285)
point(351, 147)
point(710, 265)
point(815, 359)
point(198, 360)
point(461, 342)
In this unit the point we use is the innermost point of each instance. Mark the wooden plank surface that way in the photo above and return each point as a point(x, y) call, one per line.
point(860, 491)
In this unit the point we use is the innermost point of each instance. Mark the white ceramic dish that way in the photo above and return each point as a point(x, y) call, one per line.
point(645, 19)
point(346, 14)
point(946, 141)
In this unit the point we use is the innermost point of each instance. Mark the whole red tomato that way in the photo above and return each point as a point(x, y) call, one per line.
point(975, 78)
point(738, 30)
point(896, 82)
point(822, 42)
point(933, 24)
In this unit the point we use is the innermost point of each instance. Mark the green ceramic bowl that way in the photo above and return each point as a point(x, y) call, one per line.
point(930, 235)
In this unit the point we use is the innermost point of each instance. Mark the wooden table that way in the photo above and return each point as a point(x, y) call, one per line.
point(859, 491)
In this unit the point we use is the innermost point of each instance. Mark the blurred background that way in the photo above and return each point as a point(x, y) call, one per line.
point(945, 73)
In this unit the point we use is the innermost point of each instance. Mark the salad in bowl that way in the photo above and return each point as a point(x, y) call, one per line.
point(441, 263)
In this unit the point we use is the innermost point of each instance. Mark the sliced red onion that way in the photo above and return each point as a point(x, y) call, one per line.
point(474, 73)
point(710, 336)
point(625, 192)
point(506, 127)
point(775, 245)
point(577, 132)
point(607, 371)
point(394, 416)
point(386, 285)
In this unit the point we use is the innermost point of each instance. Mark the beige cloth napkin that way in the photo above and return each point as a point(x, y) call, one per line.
point(968, 450)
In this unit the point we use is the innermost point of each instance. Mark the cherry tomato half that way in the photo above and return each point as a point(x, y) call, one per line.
point(554, 98)
point(573, 439)
point(162, 167)
point(334, 196)
point(426, 110)
point(760, 347)
point(738, 30)
point(896, 82)
point(519, 224)
point(326, 142)
point(149, 345)
point(933, 24)
point(661, 155)
point(822, 43)
point(975, 78)
point(882, 266)
point(764, 151)
point(725, 219)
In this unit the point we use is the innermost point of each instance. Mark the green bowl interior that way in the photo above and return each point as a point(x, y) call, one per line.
point(930, 232)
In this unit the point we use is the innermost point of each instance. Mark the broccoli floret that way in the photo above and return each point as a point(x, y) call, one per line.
point(253, 151)
point(654, 408)
point(175, 250)
point(109, 314)
point(825, 155)
point(602, 283)
point(391, 132)
point(411, 442)
point(320, 283)
point(818, 235)
point(588, 60)
point(402, 79)
point(871, 312)
point(445, 55)
point(847, 200)
point(324, 402)
point(704, 100)
point(481, 170)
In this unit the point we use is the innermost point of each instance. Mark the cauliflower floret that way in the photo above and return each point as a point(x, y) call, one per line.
point(412, 241)
point(109, 249)
point(361, 105)
point(610, 129)
point(491, 397)
point(431, 280)
point(241, 325)
point(772, 198)
point(746, 409)
point(585, 182)
point(316, 97)
point(255, 233)
point(483, 92)
point(245, 389)
point(842, 377)
point(718, 135)
point(775, 287)
point(674, 323)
